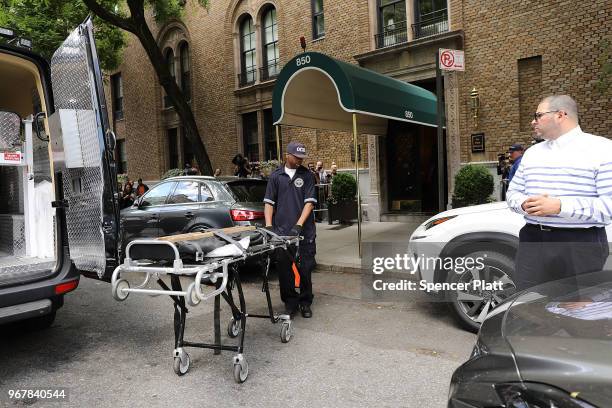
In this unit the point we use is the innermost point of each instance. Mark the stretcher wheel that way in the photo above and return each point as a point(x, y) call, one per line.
point(286, 331)
point(181, 364)
point(233, 328)
point(118, 287)
point(241, 370)
point(192, 297)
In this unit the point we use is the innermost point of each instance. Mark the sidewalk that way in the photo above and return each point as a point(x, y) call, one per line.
point(337, 249)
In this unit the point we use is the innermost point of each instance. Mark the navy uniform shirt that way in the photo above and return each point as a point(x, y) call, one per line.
point(288, 196)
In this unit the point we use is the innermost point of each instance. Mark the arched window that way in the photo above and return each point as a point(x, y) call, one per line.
point(270, 45)
point(247, 52)
point(169, 57)
point(185, 70)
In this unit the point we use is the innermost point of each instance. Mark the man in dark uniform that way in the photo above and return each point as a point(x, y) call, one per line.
point(289, 201)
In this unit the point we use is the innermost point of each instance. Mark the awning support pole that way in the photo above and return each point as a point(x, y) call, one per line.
point(357, 177)
point(278, 147)
point(440, 134)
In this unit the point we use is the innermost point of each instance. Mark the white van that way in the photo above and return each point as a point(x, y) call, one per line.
point(59, 212)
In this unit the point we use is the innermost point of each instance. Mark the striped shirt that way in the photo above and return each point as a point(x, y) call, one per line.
point(576, 168)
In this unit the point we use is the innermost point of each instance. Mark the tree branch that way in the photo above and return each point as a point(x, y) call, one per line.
point(112, 18)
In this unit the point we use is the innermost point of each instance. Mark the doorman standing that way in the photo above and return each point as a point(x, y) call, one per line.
point(289, 203)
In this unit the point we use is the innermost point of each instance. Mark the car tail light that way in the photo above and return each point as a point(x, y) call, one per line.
point(246, 215)
point(66, 287)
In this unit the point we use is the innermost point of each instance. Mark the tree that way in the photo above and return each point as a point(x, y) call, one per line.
point(131, 17)
point(47, 23)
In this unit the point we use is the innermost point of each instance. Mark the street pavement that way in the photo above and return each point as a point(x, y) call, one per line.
point(352, 353)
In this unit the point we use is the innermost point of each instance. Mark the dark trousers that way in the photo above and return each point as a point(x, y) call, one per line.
point(306, 264)
point(550, 254)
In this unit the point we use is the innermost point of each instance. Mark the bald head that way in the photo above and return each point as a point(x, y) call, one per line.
point(555, 116)
point(563, 103)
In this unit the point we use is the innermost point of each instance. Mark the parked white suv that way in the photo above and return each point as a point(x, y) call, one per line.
point(472, 232)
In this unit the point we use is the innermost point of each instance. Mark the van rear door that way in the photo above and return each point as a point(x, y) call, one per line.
point(83, 146)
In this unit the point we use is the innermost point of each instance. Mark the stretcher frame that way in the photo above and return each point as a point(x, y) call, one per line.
point(223, 274)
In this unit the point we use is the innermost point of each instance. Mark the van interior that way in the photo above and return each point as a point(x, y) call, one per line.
point(27, 219)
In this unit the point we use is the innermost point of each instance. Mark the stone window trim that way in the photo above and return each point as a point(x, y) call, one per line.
point(173, 36)
point(256, 12)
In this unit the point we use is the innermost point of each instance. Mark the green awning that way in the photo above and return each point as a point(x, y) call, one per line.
point(316, 91)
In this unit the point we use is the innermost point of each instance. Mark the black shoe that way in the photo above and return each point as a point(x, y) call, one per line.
point(306, 311)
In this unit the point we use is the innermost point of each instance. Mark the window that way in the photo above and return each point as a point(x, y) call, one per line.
point(158, 194)
point(270, 136)
point(250, 136)
point(117, 95)
point(530, 89)
point(248, 190)
point(318, 19)
point(392, 22)
point(247, 52)
point(169, 56)
point(122, 155)
point(431, 18)
point(205, 194)
point(185, 192)
point(270, 45)
point(185, 71)
point(173, 157)
point(188, 154)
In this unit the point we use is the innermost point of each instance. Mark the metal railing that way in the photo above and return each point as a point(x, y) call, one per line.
point(392, 34)
point(270, 71)
point(321, 211)
point(431, 24)
point(247, 77)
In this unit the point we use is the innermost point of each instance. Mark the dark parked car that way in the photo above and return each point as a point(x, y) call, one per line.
point(194, 203)
point(548, 346)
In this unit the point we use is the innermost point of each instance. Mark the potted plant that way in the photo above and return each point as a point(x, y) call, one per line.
point(473, 185)
point(342, 204)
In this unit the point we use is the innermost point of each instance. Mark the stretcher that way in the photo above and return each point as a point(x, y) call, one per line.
point(210, 262)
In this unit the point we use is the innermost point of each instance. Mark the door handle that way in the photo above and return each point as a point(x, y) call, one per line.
point(188, 214)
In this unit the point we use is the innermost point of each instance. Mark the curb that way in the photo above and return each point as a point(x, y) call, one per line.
point(331, 268)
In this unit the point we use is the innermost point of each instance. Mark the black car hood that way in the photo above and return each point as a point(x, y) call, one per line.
point(560, 333)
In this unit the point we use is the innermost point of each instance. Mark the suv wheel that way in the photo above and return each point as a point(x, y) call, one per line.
point(470, 307)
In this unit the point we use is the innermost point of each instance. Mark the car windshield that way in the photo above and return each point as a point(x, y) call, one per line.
point(248, 190)
point(562, 308)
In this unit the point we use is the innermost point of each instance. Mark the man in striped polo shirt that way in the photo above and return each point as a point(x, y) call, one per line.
point(563, 187)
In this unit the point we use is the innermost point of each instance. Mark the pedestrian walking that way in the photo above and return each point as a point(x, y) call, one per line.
point(563, 187)
point(289, 202)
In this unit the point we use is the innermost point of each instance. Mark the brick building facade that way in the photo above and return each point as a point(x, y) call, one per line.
point(228, 55)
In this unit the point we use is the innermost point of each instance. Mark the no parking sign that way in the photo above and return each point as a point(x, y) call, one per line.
point(451, 60)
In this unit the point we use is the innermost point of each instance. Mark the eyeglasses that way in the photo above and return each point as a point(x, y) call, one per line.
point(538, 115)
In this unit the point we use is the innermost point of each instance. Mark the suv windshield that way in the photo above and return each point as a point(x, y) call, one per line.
point(248, 190)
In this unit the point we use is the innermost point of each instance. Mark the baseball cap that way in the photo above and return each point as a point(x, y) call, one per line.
point(297, 149)
point(516, 148)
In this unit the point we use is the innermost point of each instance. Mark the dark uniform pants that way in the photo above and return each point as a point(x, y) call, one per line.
point(550, 254)
point(306, 264)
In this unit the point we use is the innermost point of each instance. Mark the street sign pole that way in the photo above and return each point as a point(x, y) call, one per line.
point(441, 120)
